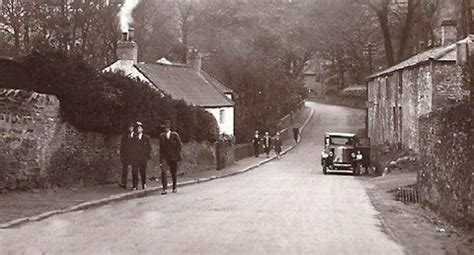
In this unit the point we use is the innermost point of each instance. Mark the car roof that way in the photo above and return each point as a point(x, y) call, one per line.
point(349, 135)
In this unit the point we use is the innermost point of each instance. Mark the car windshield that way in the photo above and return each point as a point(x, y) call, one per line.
point(341, 141)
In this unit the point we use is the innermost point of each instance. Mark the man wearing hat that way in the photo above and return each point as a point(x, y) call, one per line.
point(170, 151)
point(141, 153)
point(256, 144)
point(125, 152)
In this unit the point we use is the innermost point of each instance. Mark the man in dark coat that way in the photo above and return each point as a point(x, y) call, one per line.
point(140, 154)
point(125, 152)
point(296, 133)
point(256, 144)
point(170, 151)
point(267, 143)
point(277, 144)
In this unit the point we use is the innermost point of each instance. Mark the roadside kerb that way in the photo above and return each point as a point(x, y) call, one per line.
point(142, 193)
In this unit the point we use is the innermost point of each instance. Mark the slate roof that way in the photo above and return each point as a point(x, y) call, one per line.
point(444, 53)
point(183, 82)
point(217, 84)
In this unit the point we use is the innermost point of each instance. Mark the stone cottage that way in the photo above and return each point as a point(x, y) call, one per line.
point(188, 82)
point(399, 95)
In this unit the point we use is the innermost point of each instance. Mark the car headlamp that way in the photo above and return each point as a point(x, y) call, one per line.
point(324, 155)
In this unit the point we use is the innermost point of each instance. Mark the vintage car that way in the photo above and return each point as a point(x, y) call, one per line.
point(344, 152)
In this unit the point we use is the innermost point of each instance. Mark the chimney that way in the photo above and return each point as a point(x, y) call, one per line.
point(194, 59)
point(448, 32)
point(127, 49)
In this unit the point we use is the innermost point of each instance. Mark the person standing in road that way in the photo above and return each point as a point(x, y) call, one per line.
point(141, 153)
point(267, 143)
point(170, 151)
point(125, 152)
point(277, 144)
point(296, 133)
point(256, 144)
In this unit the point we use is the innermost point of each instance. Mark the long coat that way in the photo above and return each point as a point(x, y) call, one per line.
point(170, 149)
point(256, 141)
point(267, 142)
point(277, 144)
point(140, 150)
point(126, 147)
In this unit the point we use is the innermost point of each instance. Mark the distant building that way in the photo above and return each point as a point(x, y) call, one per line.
point(315, 72)
point(186, 82)
point(399, 95)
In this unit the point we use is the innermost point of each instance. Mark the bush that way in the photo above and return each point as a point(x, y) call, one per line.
point(107, 102)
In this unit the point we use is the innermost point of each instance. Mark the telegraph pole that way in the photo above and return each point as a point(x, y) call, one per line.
point(370, 50)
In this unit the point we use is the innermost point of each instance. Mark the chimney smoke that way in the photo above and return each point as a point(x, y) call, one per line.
point(125, 14)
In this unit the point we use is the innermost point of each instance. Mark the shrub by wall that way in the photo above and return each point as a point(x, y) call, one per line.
point(107, 102)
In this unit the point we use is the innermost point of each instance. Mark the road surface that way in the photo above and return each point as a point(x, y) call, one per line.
point(284, 207)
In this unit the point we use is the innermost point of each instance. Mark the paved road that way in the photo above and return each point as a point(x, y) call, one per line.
point(284, 207)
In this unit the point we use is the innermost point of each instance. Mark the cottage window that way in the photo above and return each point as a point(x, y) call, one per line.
point(221, 116)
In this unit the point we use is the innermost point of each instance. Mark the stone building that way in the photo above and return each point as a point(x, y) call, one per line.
point(400, 95)
point(187, 82)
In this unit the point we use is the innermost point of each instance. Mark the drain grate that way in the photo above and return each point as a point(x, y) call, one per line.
point(407, 194)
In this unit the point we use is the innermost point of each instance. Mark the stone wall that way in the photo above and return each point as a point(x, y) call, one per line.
point(446, 150)
point(92, 158)
point(448, 85)
point(39, 150)
point(346, 101)
point(28, 121)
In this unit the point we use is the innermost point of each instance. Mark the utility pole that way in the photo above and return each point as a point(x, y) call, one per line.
point(370, 50)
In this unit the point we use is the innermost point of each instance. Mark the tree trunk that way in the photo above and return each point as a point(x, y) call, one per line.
point(382, 16)
point(26, 36)
point(184, 32)
point(406, 29)
point(16, 36)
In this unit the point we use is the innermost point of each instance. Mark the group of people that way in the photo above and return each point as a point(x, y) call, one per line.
point(135, 152)
point(267, 142)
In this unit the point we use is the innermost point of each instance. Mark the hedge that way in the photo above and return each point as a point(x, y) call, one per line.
point(107, 102)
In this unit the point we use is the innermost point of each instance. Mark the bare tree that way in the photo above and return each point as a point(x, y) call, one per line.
point(11, 21)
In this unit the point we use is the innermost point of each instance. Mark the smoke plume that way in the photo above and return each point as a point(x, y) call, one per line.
point(125, 14)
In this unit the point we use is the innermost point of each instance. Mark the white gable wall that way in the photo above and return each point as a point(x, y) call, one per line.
point(127, 67)
point(224, 117)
